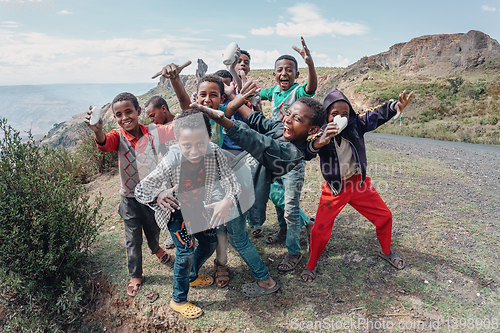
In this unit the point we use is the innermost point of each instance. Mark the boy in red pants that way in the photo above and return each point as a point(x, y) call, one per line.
point(343, 165)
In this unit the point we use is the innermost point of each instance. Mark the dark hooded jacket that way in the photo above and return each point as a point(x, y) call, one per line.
point(354, 132)
point(263, 139)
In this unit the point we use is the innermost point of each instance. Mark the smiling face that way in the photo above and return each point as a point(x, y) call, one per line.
point(285, 73)
point(193, 143)
point(297, 123)
point(127, 116)
point(243, 63)
point(209, 94)
point(340, 108)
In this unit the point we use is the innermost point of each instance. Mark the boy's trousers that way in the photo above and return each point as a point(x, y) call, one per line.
point(364, 199)
point(136, 218)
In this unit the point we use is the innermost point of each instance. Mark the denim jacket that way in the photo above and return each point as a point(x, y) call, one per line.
point(354, 132)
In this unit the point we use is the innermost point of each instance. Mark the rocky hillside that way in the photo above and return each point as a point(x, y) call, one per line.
point(452, 75)
point(435, 55)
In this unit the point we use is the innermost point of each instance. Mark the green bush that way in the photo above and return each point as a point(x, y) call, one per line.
point(455, 84)
point(87, 160)
point(47, 222)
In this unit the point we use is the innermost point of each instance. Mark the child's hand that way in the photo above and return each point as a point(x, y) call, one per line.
point(171, 71)
point(167, 201)
point(229, 91)
point(211, 113)
point(243, 77)
point(330, 131)
point(97, 127)
point(249, 89)
point(221, 212)
point(304, 52)
point(237, 54)
point(402, 103)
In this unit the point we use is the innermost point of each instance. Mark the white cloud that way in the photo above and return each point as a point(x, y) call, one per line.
point(263, 31)
point(306, 20)
point(236, 36)
point(323, 60)
point(37, 58)
point(65, 12)
point(263, 59)
point(9, 24)
point(486, 8)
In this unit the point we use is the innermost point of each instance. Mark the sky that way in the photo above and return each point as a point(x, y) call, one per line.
point(62, 41)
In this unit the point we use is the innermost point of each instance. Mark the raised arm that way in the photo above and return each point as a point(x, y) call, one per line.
point(238, 103)
point(234, 74)
point(312, 78)
point(402, 103)
point(375, 117)
point(172, 72)
point(100, 136)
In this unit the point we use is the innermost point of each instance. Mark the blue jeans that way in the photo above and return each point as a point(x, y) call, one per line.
point(238, 237)
point(275, 192)
point(277, 197)
point(188, 260)
point(257, 213)
point(289, 217)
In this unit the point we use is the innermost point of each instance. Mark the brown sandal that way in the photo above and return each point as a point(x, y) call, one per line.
point(133, 289)
point(163, 257)
point(221, 275)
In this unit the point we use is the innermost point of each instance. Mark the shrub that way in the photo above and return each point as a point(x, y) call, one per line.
point(455, 84)
point(473, 90)
point(88, 160)
point(47, 223)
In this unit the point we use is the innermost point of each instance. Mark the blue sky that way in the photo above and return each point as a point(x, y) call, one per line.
point(127, 41)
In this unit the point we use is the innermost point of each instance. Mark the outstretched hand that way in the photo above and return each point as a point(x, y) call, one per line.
point(98, 126)
point(221, 212)
point(211, 113)
point(402, 103)
point(330, 131)
point(167, 201)
point(229, 91)
point(304, 52)
point(249, 89)
point(171, 71)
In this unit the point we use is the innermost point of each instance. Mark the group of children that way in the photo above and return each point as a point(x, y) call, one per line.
point(193, 192)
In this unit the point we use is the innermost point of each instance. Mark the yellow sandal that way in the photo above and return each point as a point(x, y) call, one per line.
point(202, 281)
point(188, 310)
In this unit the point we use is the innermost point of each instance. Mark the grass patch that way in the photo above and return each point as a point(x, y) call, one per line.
point(352, 283)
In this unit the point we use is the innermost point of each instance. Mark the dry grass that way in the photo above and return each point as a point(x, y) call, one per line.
point(447, 241)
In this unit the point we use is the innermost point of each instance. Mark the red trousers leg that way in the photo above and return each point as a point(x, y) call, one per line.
point(368, 202)
point(328, 209)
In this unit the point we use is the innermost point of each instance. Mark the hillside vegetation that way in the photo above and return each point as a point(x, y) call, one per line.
point(456, 80)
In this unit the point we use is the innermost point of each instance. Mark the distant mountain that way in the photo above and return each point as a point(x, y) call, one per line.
point(41, 107)
point(429, 65)
point(435, 55)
